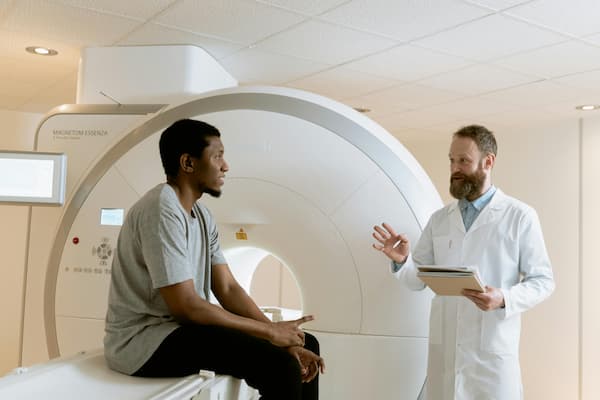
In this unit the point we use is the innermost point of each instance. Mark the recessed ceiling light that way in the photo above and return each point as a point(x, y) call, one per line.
point(41, 51)
point(588, 107)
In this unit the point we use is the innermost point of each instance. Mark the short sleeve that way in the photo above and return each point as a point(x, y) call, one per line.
point(216, 255)
point(164, 242)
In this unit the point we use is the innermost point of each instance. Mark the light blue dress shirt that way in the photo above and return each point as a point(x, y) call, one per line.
point(470, 210)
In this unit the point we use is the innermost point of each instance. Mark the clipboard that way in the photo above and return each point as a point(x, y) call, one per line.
point(450, 281)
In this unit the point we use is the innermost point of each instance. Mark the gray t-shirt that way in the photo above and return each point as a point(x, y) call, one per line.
point(159, 245)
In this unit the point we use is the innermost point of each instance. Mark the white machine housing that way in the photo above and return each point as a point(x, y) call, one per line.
point(308, 179)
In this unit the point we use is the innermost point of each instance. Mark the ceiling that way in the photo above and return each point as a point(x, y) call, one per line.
point(423, 67)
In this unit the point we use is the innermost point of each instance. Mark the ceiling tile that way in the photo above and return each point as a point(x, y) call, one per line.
point(63, 91)
point(522, 118)
point(583, 81)
point(405, 135)
point(490, 38)
point(497, 5)
point(422, 118)
point(139, 9)
point(242, 21)
point(566, 109)
point(470, 108)
point(67, 24)
point(253, 66)
point(341, 83)
point(407, 63)
point(319, 41)
point(444, 118)
point(448, 128)
point(13, 45)
point(37, 71)
point(150, 34)
point(573, 17)
point(307, 7)
point(553, 61)
point(404, 19)
point(593, 39)
point(534, 94)
point(17, 87)
point(478, 79)
point(405, 97)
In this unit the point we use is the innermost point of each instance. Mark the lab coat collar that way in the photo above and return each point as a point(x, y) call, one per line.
point(488, 215)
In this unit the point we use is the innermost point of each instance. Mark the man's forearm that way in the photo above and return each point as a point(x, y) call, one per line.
point(237, 301)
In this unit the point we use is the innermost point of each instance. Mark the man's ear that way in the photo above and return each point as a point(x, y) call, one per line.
point(489, 160)
point(186, 163)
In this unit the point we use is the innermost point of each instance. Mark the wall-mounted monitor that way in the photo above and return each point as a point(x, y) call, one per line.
point(32, 178)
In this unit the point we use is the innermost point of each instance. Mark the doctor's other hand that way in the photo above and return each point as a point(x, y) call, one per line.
point(392, 244)
point(288, 333)
point(489, 300)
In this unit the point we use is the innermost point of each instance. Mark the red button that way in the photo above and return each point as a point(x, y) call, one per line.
point(75, 240)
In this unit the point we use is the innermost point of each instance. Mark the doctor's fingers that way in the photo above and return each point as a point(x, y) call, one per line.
point(389, 228)
point(385, 230)
point(379, 238)
point(476, 300)
point(386, 238)
point(383, 233)
point(482, 303)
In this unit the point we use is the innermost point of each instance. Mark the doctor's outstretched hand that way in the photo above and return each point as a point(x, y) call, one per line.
point(392, 244)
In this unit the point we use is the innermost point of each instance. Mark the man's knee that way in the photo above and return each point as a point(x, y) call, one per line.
point(311, 343)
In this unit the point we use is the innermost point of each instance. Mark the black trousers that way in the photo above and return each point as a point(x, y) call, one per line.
point(269, 368)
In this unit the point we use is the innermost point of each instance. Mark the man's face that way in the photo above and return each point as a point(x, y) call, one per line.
point(468, 171)
point(210, 173)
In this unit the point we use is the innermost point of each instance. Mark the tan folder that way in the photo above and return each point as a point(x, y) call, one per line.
point(450, 281)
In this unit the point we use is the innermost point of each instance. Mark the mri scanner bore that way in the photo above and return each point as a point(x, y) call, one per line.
point(307, 175)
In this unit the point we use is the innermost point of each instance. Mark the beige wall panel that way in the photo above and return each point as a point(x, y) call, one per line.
point(18, 131)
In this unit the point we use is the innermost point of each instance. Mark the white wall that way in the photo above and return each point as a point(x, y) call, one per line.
point(590, 271)
point(18, 130)
point(540, 166)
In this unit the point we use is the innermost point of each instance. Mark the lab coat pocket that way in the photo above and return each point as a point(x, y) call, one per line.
point(435, 321)
point(498, 335)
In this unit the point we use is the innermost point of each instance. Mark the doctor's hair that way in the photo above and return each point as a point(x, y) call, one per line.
point(483, 138)
point(184, 136)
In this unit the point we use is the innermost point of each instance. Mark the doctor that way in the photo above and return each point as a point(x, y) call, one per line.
point(474, 339)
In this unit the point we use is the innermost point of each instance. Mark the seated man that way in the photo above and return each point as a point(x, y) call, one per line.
point(159, 321)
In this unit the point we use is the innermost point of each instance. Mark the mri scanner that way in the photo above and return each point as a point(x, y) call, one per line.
point(308, 179)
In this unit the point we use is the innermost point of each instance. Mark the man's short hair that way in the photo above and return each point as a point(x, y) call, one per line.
point(483, 138)
point(184, 136)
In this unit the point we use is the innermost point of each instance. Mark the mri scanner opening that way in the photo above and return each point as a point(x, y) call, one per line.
point(308, 179)
point(267, 279)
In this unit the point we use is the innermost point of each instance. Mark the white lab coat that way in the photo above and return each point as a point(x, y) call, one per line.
point(475, 354)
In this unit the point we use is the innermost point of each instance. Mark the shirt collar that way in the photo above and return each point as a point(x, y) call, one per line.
point(479, 202)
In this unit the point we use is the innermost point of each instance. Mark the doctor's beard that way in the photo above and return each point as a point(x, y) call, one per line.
point(470, 186)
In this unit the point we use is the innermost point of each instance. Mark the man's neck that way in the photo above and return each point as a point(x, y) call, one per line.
point(187, 197)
